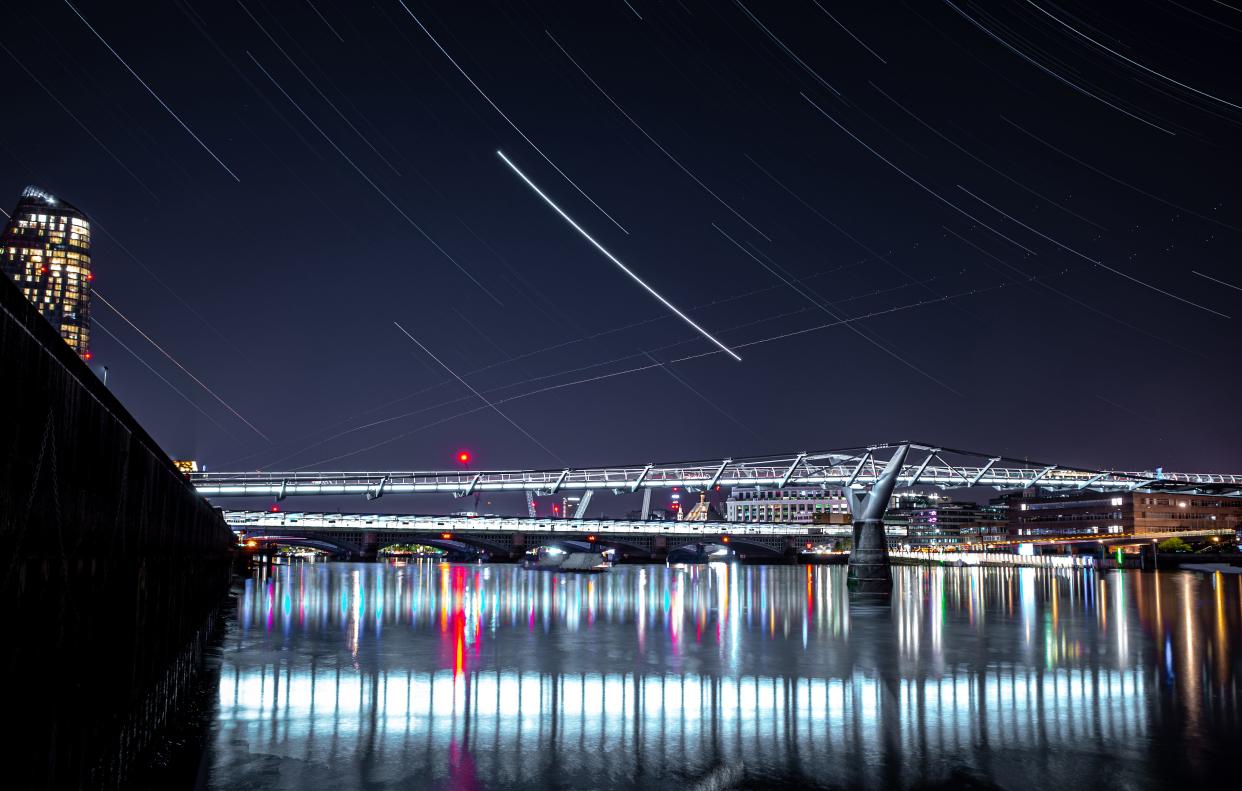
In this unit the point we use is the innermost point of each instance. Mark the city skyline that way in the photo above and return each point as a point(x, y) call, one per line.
point(1002, 260)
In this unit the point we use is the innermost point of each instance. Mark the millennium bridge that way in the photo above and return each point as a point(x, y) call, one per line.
point(867, 475)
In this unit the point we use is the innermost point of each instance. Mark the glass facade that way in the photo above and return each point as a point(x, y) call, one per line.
point(46, 250)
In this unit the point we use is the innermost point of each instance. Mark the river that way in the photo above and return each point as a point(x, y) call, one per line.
point(428, 675)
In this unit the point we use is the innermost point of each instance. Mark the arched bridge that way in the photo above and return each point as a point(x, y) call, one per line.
point(504, 536)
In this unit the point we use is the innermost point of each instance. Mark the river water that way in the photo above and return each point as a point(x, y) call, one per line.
point(427, 675)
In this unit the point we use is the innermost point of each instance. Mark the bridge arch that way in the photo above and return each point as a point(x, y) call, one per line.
point(331, 545)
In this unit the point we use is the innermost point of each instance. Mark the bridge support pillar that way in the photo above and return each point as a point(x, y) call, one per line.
point(869, 570)
point(370, 546)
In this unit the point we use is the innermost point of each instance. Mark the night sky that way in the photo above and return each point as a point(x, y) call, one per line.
point(1026, 214)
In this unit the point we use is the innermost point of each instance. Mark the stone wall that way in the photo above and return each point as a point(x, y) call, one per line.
point(111, 566)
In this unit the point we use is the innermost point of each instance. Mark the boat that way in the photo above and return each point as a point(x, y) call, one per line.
point(696, 554)
point(557, 559)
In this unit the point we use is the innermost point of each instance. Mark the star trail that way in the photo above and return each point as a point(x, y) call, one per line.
point(1012, 225)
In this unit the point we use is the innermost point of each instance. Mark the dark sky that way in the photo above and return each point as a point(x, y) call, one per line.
point(1044, 333)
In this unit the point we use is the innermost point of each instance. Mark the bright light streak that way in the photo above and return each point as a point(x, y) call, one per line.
point(1050, 72)
point(375, 186)
point(97, 323)
point(1214, 280)
point(920, 184)
point(509, 120)
point(184, 370)
point(154, 95)
point(477, 394)
point(613, 258)
point(1133, 62)
point(1092, 260)
point(656, 143)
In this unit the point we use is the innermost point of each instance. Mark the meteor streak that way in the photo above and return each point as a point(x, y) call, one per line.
point(154, 95)
point(508, 120)
point(613, 258)
point(184, 370)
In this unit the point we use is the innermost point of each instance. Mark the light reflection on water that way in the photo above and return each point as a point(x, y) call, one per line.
point(464, 676)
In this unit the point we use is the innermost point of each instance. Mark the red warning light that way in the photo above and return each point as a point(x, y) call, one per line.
point(446, 536)
point(590, 538)
point(90, 276)
point(464, 457)
point(274, 508)
point(87, 355)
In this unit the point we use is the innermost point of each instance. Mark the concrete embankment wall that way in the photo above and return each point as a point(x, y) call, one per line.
point(111, 567)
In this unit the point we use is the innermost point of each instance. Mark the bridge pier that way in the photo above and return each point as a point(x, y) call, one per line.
point(869, 569)
point(370, 545)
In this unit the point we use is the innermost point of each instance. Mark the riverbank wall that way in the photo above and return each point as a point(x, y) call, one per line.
point(112, 567)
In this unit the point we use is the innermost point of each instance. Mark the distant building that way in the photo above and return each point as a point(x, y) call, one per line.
point(46, 250)
point(949, 523)
point(798, 505)
point(703, 511)
point(1120, 513)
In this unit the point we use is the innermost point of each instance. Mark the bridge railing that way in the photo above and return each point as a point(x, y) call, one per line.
point(926, 465)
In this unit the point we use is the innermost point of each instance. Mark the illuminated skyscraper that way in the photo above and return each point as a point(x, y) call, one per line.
point(46, 250)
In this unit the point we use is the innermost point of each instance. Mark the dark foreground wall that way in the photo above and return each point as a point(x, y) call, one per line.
point(110, 567)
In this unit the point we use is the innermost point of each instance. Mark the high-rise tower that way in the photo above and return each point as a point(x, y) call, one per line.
point(46, 250)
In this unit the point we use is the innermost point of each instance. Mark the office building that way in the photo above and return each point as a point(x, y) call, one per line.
point(1120, 513)
point(790, 504)
point(46, 250)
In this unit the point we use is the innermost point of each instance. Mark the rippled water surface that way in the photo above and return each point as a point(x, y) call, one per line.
point(343, 676)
